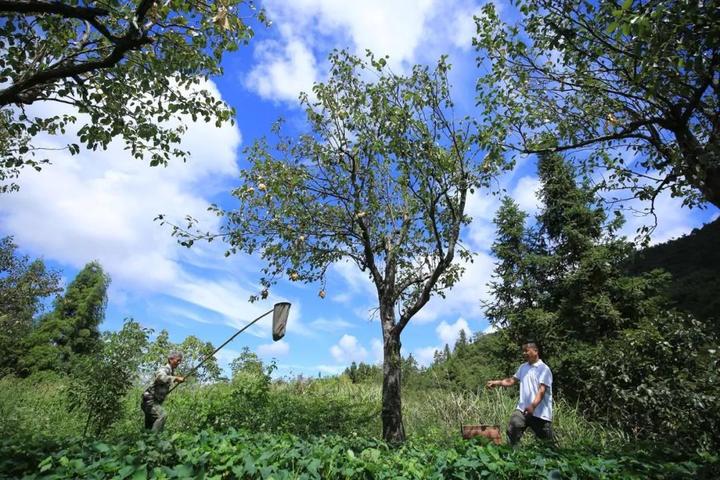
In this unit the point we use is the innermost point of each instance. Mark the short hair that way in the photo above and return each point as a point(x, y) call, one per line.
point(175, 354)
point(531, 344)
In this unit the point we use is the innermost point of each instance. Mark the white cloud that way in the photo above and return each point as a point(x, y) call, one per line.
point(354, 286)
point(275, 349)
point(465, 298)
point(481, 206)
point(348, 350)
point(228, 303)
point(463, 28)
point(174, 310)
point(343, 297)
point(525, 194)
point(425, 355)
point(673, 219)
point(408, 31)
point(489, 329)
point(448, 333)
point(101, 205)
point(357, 280)
point(395, 28)
point(283, 71)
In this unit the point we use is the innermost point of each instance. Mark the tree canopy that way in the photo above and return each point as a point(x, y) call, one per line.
point(24, 286)
point(127, 68)
point(631, 86)
point(380, 179)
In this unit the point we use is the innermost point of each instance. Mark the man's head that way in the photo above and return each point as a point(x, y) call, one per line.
point(530, 351)
point(174, 359)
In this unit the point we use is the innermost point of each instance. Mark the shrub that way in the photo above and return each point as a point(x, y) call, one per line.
point(239, 454)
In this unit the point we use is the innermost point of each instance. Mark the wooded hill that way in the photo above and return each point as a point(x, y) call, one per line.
point(694, 263)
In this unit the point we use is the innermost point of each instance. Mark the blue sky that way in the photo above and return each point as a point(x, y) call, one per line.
point(101, 205)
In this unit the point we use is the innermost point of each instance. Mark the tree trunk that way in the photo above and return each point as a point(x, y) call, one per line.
point(701, 165)
point(393, 429)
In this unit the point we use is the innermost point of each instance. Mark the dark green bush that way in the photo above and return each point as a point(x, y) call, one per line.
point(237, 454)
point(250, 401)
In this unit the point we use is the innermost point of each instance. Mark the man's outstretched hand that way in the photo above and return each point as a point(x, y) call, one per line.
point(179, 379)
point(491, 384)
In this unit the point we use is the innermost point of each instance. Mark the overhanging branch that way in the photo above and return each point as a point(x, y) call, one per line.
point(56, 8)
point(14, 93)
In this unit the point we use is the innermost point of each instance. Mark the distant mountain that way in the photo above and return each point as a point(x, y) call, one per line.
point(694, 263)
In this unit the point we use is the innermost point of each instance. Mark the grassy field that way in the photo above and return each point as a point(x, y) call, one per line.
point(320, 429)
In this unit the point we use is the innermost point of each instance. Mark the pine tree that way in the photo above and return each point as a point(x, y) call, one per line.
point(446, 353)
point(600, 329)
point(462, 340)
point(71, 329)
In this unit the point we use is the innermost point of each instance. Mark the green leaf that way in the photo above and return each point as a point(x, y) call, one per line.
point(140, 473)
point(182, 471)
point(126, 471)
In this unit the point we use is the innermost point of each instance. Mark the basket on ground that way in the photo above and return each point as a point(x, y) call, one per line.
point(491, 432)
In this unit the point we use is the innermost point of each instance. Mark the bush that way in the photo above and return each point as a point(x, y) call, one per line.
point(239, 454)
point(252, 402)
point(323, 408)
point(36, 408)
point(653, 381)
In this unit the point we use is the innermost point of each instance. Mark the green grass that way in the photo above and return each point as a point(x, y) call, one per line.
point(36, 408)
point(320, 429)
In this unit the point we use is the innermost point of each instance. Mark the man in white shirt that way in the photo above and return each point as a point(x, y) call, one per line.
point(534, 409)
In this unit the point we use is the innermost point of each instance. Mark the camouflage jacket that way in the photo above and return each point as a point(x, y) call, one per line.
point(161, 384)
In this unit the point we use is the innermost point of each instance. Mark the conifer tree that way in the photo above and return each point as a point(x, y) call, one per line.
point(71, 329)
point(565, 284)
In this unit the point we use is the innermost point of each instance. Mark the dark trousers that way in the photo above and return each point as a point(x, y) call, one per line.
point(154, 413)
point(519, 422)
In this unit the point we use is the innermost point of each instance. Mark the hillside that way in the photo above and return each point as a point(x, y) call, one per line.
point(694, 263)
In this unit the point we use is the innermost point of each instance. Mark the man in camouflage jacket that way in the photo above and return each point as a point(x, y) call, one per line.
point(154, 396)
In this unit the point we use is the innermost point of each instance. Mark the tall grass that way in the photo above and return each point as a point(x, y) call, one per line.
point(38, 408)
point(439, 415)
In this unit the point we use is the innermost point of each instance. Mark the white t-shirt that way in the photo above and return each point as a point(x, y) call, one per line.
point(530, 378)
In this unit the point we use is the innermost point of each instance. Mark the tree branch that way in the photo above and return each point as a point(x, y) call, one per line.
point(56, 8)
point(14, 93)
point(627, 131)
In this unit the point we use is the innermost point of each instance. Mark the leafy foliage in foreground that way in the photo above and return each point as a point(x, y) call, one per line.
point(245, 455)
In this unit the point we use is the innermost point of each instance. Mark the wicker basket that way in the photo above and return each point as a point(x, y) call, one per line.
point(492, 432)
